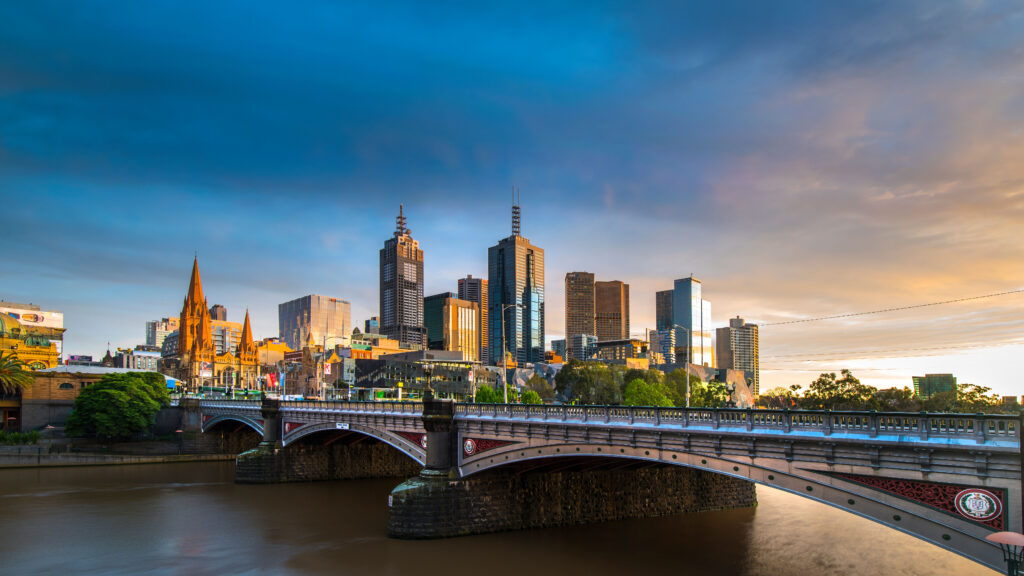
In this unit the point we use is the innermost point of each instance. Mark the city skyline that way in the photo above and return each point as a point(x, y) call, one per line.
point(860, 158)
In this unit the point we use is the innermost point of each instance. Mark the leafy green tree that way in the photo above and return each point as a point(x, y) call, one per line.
point(831, 393)
point(541, 387)
point(118, 406)
point(13, 376)
point(531, 397)
point(777, 398)
point(676, 386)
point(895, 400)
point(487, 395)
point(639, 392)
point(708, 394)
point(967, 398)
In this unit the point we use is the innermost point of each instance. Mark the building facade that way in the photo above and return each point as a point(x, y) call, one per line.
point(372, 325)
point(691, 311)
point(663, 318)
point(328, 319)
point(35, 350)
point(611, 310)
point(738, 349)
point(48, 324)
point(663, 343)
point(622, 349)
point(516, 297)
point(579, 308)
point(158, 330)
point(143, 358)
point(931, 384)
point(218, 312)
point(475, 290)
point(584, 347)
point(401, 286)
point(451, 325)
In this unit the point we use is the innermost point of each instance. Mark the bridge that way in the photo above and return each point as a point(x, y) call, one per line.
point(949, 479)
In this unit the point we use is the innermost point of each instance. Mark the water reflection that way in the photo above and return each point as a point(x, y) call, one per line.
point(192, 519)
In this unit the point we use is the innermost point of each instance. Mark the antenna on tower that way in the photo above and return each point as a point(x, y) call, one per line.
point(400, 228)
point(515, 212)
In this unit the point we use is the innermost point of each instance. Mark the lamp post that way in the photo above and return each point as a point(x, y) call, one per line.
point(504, 354)
point(686, 366)
point(1012, 545)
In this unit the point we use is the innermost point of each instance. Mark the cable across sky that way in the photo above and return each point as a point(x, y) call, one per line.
point(896, 309)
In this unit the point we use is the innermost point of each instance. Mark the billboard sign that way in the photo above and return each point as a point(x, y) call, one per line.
point(205, 370)
point(41, 318)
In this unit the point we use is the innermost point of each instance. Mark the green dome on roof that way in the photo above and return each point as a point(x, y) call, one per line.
point(9, 327)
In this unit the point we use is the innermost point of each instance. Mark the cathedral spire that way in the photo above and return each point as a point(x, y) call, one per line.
point(195, 285)
point(246, 347)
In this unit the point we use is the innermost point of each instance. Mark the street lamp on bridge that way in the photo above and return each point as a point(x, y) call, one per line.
point(1012, 545)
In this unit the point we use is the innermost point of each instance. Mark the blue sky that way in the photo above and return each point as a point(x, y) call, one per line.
point(802, 159)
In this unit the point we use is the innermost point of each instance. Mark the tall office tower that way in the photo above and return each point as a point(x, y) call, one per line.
point(663, 342)
point(611, 310)
point(663, 309)
point(475, 290)
point(515, 270)
point(738, 349)
point(451, 324)
point(329, 320)
point(218, 312)
point(691, 311)
point(401, 286)
point(579, 308)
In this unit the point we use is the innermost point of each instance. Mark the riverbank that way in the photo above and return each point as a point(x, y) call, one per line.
point(48, 456)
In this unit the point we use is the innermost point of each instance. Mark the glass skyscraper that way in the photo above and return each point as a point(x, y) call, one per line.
point(401, 286)
point(691, 311)
point(328, 319)
point(516, 277)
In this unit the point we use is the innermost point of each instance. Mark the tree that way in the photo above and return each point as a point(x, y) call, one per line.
point(781, 398)
point(895, 400)
point(831, 393)
point(540, 386)
point(639, 392)
point(118, 406)
point(13, 376)
point(531, 397)
point(486, 395)
point(676, 386)
point(967, 398)
point(708, 394)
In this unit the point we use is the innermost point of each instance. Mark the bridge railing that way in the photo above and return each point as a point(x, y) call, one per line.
point(977, 427)
point(347, 406)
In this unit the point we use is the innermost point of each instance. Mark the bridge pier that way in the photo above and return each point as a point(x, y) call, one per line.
point(439, 504)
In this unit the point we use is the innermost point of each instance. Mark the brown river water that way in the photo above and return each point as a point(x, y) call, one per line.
point(191, 519)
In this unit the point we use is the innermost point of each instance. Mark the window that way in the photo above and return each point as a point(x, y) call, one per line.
point(67, 386)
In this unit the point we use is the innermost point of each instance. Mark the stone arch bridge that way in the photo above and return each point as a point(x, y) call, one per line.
point(949, 479)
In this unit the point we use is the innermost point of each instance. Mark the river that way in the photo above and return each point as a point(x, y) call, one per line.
point(191, 519)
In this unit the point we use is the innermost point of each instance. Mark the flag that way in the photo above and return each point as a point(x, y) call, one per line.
point(327, 369)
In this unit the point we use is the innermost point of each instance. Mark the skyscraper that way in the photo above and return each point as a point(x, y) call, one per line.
point(475, 290)
point(738, 350)
point(691, 311)
point(579, 308)
point(611, 310)
point(515, 269)
point(401, 286)
point(218, 312)
point(328, 319)
point(663, 309)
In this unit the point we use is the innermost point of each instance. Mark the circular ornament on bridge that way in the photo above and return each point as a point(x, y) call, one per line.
point(423, 441)
point(469, 447)
point(978, 504)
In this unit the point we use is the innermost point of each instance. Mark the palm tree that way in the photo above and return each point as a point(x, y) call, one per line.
point(13, 376)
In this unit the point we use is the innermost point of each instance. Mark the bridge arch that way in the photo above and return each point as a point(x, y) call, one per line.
point(947, 532)
point(413, 450)
point(219, 419)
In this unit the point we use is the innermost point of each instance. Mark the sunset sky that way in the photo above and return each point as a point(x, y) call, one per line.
point(803, 159)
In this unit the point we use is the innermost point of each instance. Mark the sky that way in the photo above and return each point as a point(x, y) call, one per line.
point(803, 159)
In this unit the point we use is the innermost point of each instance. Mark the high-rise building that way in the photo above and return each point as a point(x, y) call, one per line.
point(738, 350)
point(930, 384)
point(558, 347)
point(328, 319)
point(663, 342)
point(475, 290)
point(158, 330)
point(401, 286)
point(691, 311)
point(611, 310)
point(584, 347)
point(663, 309)
point(218, 312)
point(579, 307)
point(515, 269)
point(372, 326)
point(451, 324)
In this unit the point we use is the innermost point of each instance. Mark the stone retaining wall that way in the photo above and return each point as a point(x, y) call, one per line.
point(268, 464)
point(437, 507)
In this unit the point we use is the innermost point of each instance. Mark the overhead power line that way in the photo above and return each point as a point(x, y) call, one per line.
point(896, 309)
